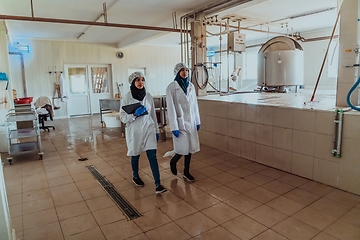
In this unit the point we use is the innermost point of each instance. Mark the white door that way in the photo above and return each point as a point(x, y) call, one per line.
point(100, 82)
point(78, 85)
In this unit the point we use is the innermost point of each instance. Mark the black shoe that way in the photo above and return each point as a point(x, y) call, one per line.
point(160, 189)
point(173, 168)
point(188, 177)
point(138, 182)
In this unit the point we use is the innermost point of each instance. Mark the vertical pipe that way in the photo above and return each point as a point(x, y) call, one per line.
point(187, 42)
point(23, 74)
point(228, 58)
point(220, 62)
point(181, 38)
point(105, 13)
point(32, 8)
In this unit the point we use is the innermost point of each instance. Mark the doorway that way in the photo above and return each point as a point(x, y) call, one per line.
point(86, 85)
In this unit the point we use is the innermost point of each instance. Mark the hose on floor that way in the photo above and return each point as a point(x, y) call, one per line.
point(349, 94)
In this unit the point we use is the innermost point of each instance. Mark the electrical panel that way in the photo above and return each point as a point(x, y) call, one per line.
point(236, 42)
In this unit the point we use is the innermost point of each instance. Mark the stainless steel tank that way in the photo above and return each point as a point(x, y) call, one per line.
point(280, 63)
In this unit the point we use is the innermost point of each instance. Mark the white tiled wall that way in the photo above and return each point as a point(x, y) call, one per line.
point(291, 139)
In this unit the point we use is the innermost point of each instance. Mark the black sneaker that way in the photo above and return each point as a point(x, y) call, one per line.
point(173, 168)
point(160, 189)
point(138, 182)
point(188, 177)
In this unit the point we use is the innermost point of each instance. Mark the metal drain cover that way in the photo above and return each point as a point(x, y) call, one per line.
point(129, 211)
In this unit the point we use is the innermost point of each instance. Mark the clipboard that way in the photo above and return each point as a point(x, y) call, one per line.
point(130, 109)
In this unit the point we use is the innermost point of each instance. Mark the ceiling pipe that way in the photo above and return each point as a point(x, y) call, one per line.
point(78, 22)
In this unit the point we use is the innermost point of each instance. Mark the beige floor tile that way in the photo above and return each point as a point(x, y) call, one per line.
point(286, 205)
point(222, 193)
point(15, 199)
point(278, 187)
point(221, 213)
point(331, 207)
point(225, 166)
point(57, 174)
point(343, 197)
point(142, 205)
point(121, 230)
point(215, 234)
point(122, 185)
point(108, 215)
point(206, 184)
point(68, 198)
point(37, 205)
point(266, 215)
point(196, 224)
point(35, 195)
point(224, 178)
point(241, 185)
point(178, 210)
point(314, 217)
point(302, 196)
point(152, 219)
point(38, 219)
point(242, 203)
point(132, 194)
point(140, 236)
point(293, 180)
point(82, 176)
point(64, 189)
point(93, 192)
point(181, 189)
point(78, 224)
point(273, 173)
point(201, 201)
point(209, 171)
point(341, 229)
point(163, 199)
point(353, 216)
point(17, 223)
point(261, 194)
point(269, 235)
point(244, 227)
point(60, 181)
point(258, 179)
point(81, 185)
point(324, 236)
point(16, 210)
point(295, 229)
point(45, 232)
point(93, 234)
point(317, 188)
point(99, 203)
point(72, 210)
point(240, 172)
point(168, 231)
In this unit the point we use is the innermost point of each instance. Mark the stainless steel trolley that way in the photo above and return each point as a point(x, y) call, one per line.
point(22, 131)
point(108, 105)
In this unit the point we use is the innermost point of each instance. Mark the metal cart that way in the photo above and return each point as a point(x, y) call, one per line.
point(107, 106)
point(22, 139)
point(160, 109)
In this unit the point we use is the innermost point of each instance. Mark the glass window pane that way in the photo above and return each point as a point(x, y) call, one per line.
point(100, 82)
point(78, 83)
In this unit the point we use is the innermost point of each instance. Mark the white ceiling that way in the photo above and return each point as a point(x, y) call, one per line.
point(156, 13)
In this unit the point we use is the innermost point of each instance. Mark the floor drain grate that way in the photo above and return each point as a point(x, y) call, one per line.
point(129, 211)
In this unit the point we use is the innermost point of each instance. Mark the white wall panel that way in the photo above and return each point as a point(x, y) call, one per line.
point(45, 55)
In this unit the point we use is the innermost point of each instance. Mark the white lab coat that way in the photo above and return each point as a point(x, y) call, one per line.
point(140, 131)
point(183, 113)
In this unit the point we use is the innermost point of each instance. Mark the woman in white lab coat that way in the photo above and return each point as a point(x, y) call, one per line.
point(184, 118)
point(141, 129)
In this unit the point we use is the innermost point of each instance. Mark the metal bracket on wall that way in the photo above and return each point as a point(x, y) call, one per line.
point(339, 115)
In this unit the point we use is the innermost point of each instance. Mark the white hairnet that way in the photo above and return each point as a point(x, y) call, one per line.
point(135, 75)
point(180, 66)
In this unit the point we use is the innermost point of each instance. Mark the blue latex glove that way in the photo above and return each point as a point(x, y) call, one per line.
point(157, 137)
point(197, 127)
point(176, 133)
point(140, 110)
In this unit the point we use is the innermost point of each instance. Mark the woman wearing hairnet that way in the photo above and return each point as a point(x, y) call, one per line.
point(184, 118)
point(141, 129)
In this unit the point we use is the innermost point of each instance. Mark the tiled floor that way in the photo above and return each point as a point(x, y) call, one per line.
point(232, 198)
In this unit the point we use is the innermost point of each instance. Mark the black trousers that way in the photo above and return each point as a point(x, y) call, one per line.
point(177, 157)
